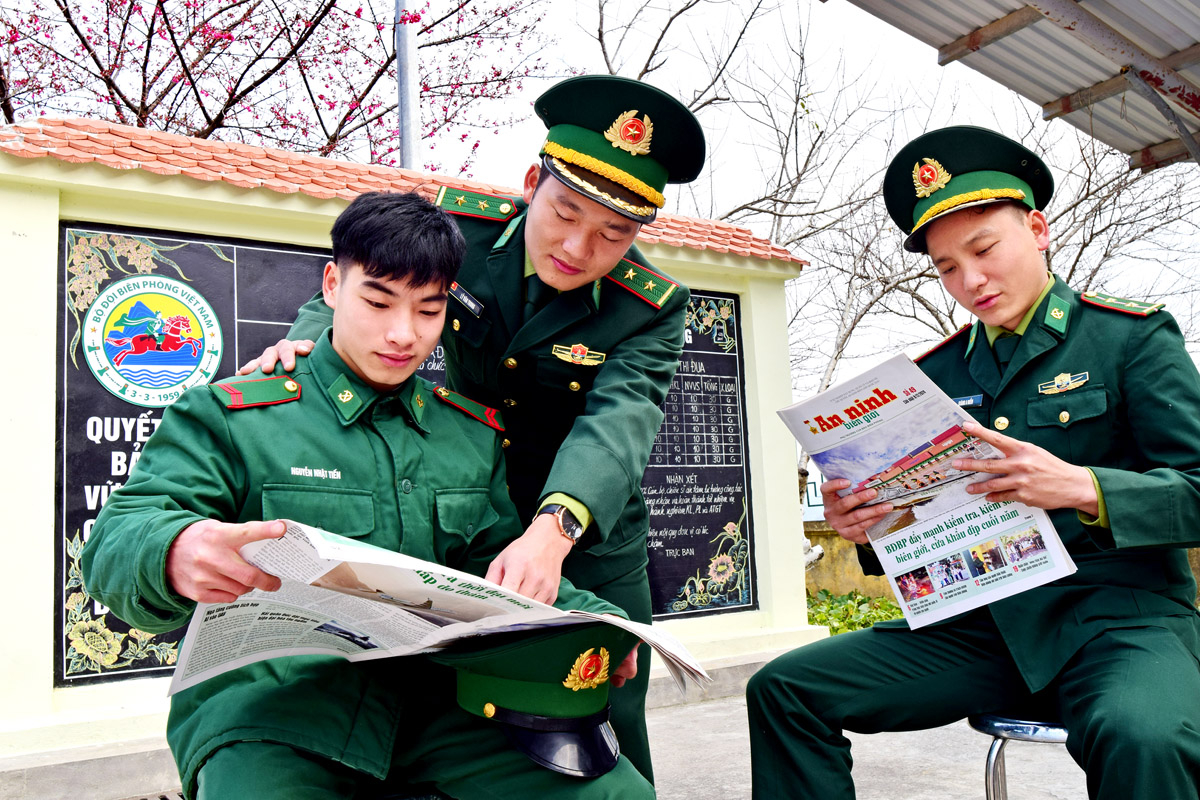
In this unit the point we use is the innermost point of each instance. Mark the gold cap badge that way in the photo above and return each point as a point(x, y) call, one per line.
point(590, 670)
point(631, 134)
point(929, 177)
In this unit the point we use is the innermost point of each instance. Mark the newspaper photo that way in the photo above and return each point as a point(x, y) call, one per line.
point(944, 551)
point(347, 598)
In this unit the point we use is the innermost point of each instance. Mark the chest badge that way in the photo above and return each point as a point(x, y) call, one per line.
point(578, 354)
point(1063, 382)
point(463, 296)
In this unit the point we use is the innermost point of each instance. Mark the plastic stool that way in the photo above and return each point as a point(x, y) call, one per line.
point(1001, 729)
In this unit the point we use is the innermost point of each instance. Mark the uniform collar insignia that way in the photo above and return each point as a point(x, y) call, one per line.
point(1058, 314)
point(971, 339)
point(346, 397)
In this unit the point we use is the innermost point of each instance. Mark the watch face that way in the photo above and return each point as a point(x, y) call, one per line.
point(572, 528)
point(566, 521)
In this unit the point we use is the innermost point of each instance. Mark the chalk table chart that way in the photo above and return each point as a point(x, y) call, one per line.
point(696, 483)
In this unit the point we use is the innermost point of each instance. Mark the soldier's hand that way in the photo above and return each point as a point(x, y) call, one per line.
point(283, 352)
point(1029, 474)
point(847, 515)
point(203, 563)
point(532, 564)
point(627, 669)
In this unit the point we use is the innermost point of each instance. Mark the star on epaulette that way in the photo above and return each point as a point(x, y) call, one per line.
point(475, 204)
point(253, 392)
point(645, 283)
point(1122, 304)
point(485, 414)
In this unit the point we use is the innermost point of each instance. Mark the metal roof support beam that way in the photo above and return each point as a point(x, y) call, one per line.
point(1112, 87)
point(1088, 28)
point(992, 32)
point(1146, 90)
point(1158, 155)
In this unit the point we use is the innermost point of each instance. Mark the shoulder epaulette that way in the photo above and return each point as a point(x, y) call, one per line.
point(475, 204)
point(943, 342)
point(488, 416)
point(1135, 307)
point(645, 283)
point(252, 392)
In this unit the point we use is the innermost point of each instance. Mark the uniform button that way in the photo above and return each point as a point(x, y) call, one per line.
point(511, 363)
point(406, 486)
point(489, 710)
point(1001, 423)
point(573, 386)
point(291, 386)
point(505, 443)
point(508, 401)
point(455, 324)
point(1064, 417)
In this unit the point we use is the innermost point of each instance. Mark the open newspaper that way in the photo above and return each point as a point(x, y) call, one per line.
point(944, 551)
point(347, 598)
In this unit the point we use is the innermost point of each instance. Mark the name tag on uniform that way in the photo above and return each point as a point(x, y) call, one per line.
point(971, 401)
point(463, 296)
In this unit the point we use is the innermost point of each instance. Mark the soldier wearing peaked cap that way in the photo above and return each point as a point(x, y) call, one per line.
point(559, 320)
point(354, 442)
point(1096, 406)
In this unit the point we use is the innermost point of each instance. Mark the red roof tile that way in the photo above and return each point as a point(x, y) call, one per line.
point(247, 166)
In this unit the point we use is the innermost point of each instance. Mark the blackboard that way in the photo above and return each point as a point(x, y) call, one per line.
point(143, 316)
point(208, 305)
point(697, 484)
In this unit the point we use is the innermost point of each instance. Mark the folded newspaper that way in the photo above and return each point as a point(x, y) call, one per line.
point(944, 551)
point(347, 598)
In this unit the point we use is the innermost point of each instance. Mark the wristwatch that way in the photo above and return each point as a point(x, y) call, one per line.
point(568, 526)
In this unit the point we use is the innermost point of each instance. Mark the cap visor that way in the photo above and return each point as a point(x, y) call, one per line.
point(915, 241)
point(608, 194)
point(585, 753)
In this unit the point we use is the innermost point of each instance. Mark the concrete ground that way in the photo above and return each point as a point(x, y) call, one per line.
point(703, 750)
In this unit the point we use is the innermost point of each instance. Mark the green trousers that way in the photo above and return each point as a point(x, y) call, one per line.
point(630, 593)
point(1130, 700)
point(441, 747)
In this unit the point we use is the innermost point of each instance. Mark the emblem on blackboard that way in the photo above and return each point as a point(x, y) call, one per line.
point(148, 338)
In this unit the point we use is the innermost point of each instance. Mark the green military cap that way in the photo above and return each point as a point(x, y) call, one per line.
point(619, 142)
point(548, 689)
point(953, 168)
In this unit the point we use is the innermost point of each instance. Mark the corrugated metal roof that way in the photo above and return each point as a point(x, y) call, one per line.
point(1045, 62)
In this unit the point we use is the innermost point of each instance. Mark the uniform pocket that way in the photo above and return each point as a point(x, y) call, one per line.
point(1067, 408)
point(564, 376)
point(1073, 425)
point(347, 512)
point(463, 512)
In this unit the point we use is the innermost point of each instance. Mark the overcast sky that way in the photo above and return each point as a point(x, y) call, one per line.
point(837, 31)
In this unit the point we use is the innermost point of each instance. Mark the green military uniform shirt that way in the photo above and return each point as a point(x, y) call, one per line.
point(582, 426)
point(1132, 418)
point(401, 470)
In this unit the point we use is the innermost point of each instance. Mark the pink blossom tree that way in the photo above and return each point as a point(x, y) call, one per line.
point(313, 77)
